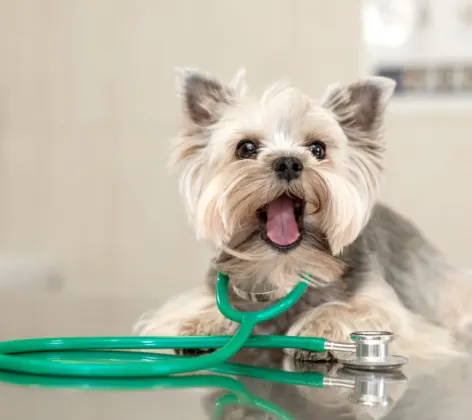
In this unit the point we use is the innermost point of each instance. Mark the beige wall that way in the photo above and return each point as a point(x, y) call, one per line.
point(429, 176)
point(86, 107)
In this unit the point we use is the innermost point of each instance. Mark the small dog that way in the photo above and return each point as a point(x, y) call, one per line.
point(280, 186)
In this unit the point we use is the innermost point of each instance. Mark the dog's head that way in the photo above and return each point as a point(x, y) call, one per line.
point(272, 175)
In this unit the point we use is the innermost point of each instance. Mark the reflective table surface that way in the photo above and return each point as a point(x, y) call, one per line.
point(422, 390)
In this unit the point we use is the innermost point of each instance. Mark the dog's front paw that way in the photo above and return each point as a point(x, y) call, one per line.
point(324, 326)
point(197, 317)
point(205, 324)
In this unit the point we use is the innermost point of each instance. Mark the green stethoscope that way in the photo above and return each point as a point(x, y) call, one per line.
point(369, 350)
point(368, 388)
point(236, 395)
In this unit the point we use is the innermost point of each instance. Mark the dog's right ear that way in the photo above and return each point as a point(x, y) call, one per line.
point(205, 98)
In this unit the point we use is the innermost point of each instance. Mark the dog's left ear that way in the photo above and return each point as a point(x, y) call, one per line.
point(205, 98)
point(359, 107)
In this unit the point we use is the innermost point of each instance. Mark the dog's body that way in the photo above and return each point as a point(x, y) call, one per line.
point(281, 186)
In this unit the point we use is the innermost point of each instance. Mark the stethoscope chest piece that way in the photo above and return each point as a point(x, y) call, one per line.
point(371, 352)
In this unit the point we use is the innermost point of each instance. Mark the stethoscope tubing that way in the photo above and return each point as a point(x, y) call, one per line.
point(14, 354)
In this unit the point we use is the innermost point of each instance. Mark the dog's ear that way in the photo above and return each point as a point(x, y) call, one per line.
point(238, 83)
point(359, 107)
point(205, 98)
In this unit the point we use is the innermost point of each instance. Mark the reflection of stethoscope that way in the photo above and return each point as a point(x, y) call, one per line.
point(369, 350)
point(368, 388)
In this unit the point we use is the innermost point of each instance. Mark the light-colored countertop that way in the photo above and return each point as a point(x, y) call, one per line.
point(432, 392)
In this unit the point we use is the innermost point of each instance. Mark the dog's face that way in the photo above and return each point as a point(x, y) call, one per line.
point(276, 176)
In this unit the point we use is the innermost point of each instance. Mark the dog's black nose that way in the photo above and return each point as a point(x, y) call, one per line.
point(287, 168)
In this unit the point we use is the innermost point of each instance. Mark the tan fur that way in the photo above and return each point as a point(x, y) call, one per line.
point(374, 308)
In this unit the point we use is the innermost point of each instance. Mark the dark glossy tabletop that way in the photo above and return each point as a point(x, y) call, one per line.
point(431, 391)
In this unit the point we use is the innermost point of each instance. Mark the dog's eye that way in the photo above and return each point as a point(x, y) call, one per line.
point(246, 149)
point(318, 149)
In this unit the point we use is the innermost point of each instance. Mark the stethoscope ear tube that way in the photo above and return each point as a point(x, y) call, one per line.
point(222, 301)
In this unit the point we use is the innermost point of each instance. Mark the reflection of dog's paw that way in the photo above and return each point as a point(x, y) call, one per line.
point(311, 356)
point(291, 364)
point(193, 352)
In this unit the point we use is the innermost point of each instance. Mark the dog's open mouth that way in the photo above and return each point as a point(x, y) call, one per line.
point(281, 221)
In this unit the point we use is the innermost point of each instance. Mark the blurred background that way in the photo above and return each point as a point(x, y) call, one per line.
point(87, 105)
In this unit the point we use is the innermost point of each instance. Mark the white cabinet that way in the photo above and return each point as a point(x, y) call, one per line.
point(425, 44)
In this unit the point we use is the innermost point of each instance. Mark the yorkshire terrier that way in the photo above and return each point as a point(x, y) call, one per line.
point(282, 185)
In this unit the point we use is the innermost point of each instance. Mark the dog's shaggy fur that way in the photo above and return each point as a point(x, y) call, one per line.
point(243, 159)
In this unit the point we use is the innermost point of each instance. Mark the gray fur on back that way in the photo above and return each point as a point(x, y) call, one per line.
point(407, 261)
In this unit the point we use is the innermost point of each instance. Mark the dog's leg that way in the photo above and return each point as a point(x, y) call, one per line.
point(191, 314)
point(375, 307)
point(452, 302)
point(334, 322)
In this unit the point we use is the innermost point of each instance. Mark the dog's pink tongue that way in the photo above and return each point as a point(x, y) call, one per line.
point(282, 228)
